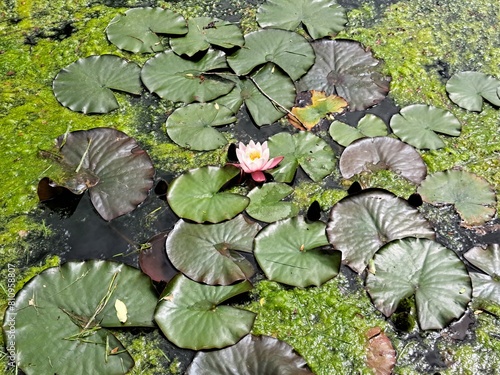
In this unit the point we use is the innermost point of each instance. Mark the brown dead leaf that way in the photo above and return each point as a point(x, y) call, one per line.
point(380, 355)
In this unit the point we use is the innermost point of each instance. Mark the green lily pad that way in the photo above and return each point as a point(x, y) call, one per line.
point(368, 126)
point(290, 51)
point(250, 356)
point(473, 197)
point(346, 69)
point(195, 195)
point(181, 80)
point(104, 160)
point(192, 126)
point(61, 315)
point(137, 29)
point(434, 274)
point(468, 89)
point(266, 202)
point(485, 286)
point(372, 154)
point(190, 314)
point(417, 124)
point(86, 85)
point(321, 18)
point(290, 252)
point(309, 151)
point(204, 32)
point(208, 253)
point(267, 95)
point(360, 224)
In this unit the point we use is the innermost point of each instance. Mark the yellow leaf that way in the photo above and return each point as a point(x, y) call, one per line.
point(121, 311)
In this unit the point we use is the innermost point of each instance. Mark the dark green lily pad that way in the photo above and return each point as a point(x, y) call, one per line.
point(290, 51)
point(321, 18)
point(195, 195)
point(266, 202)
point(360, 224)
point(291, 252)
point(346, 69)
point(181, 80)
point(61, 315)
point(473, 197)
point(372, 154)
point(104, 160)
point(207, 253)
point(190, 314)
point(434, 274)
point(137, 29)
point(369, 125)
point(86, 85)
point(485, 286)
point(192, 126)
point(268, 94)
point(309, 151)
point(252, 355)
point(417, 124)
point(204, 32)
point(468, 89)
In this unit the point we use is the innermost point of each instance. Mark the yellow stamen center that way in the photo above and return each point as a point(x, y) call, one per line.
point(254, 154)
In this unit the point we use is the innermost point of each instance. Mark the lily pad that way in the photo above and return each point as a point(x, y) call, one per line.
point(417, 124)
point(86, 85)
point(346, 69)
point(369, 125)
point(61, 315)
point(195, 195)
point(372, 154)
point(290, 51)
point(468, 89)
point(485, 286)
point(250, 356)
point(192, 126)
point(104, 160)
point(360, 224)
point(204, 32)
point(154, 262)
point(321, 18)
point(137, 29)
point(181, 80)
point(186, 306)
point(433, 273)
point(309, 151)
point(266, 202)
point(208, 253)
point(291, 252)
point(473, 197)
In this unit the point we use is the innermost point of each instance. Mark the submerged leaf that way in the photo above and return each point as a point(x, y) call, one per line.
point(154, 262)
point(320, 106)
point(473, 197)
point(434, 274)
point(372, 154)
point(467, 89)
point(487, 259)
point(369, 125)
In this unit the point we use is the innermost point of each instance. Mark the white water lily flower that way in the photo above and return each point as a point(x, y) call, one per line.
point(254, 159)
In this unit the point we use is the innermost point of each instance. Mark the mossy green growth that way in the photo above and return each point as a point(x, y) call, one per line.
point(306, 193)
point(326, 324)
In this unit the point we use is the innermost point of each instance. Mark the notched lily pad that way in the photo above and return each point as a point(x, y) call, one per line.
point(137, 29)
point(369, 125)
point(252, 355)
point(266, 202)
point(320, 18)
point(290, 51)
point(185, 306)
point(360, 224)
point(372, 154)
point(485, 286)
point(86, 85)
point(473, 197)
point(418, 125)
point(196, 195)
point(346, 69)
point(209, 253)
point(192, 126)
point(292, 252)
point(433, 273)
point(468, 89)
point(204, 32)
